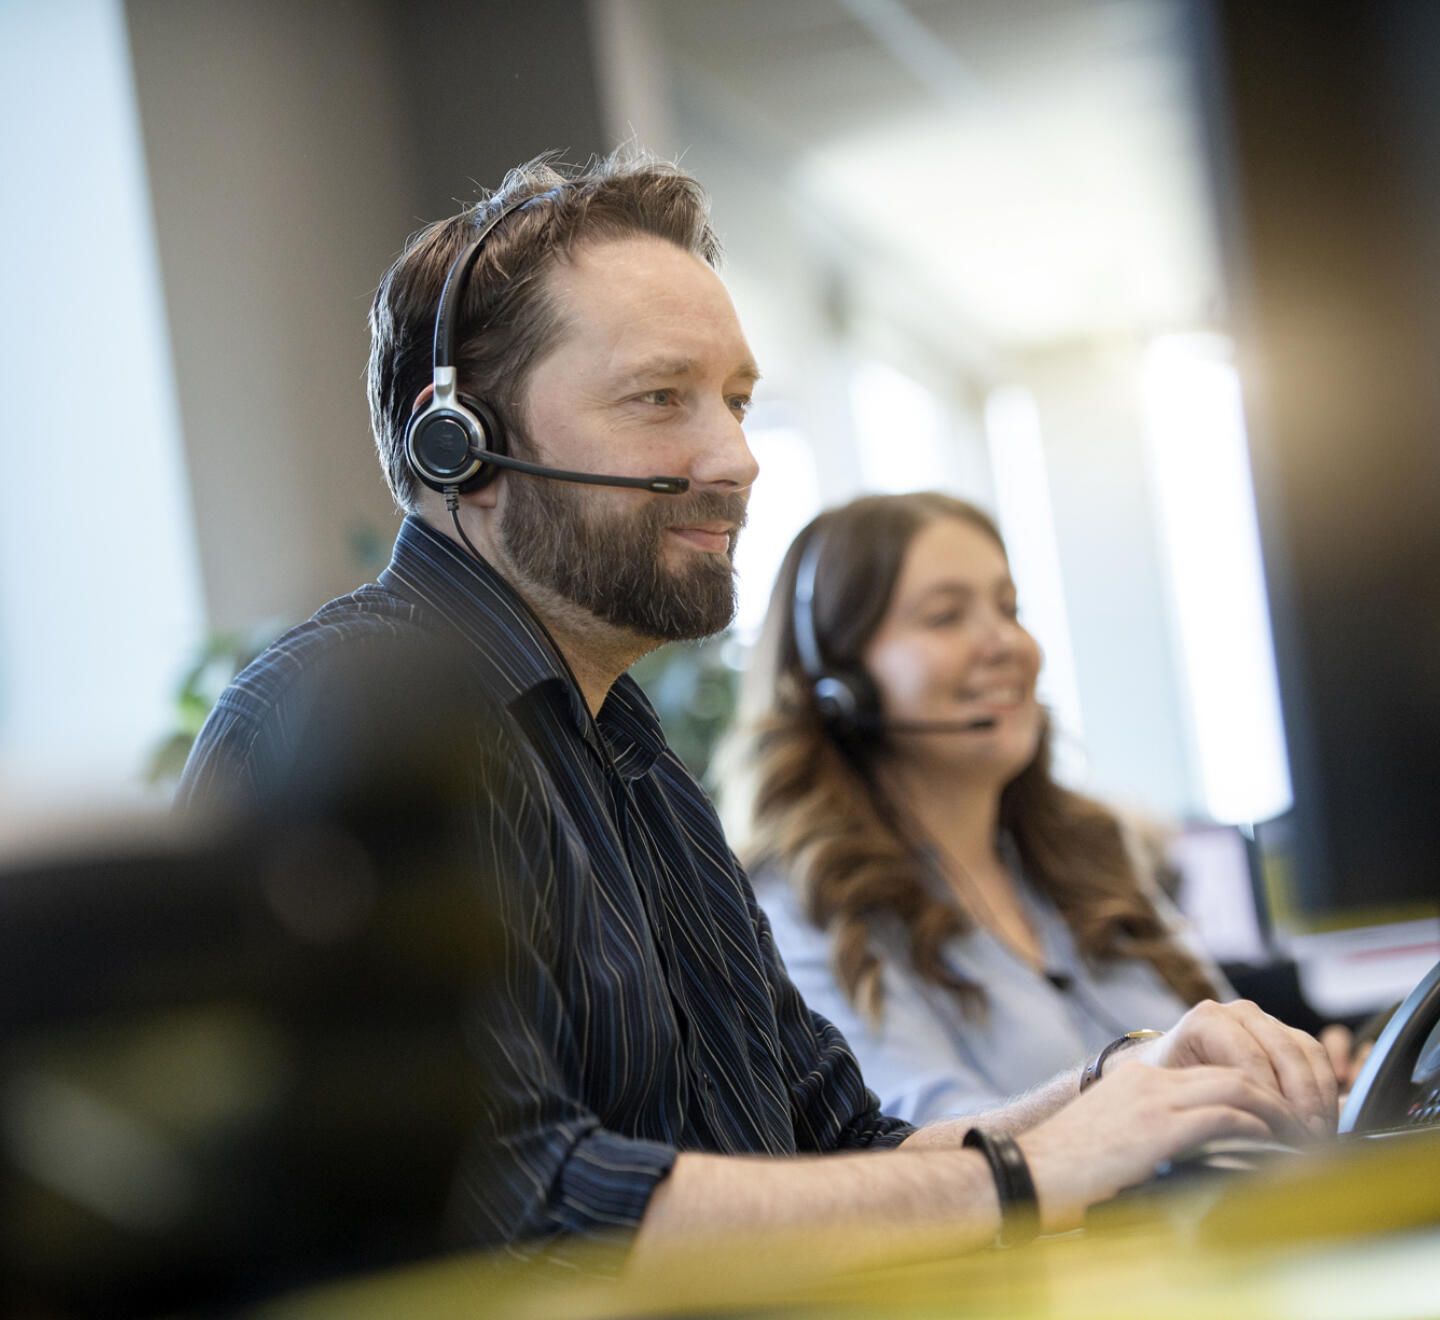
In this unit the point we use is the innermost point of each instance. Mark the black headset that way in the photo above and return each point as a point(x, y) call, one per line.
point(456, 443)
point(846, 698)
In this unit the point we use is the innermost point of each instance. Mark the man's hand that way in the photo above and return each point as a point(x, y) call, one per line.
point(1115, 1134)
point(1225, 1070)
point(1275, 1057)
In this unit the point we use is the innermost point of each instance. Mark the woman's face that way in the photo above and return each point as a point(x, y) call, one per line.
point(950, 650)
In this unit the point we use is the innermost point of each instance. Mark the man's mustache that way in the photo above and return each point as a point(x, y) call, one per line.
point(700, 506)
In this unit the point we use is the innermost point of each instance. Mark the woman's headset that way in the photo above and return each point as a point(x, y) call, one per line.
point(846, 698)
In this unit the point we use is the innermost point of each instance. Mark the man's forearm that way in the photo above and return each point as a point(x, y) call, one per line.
point(843, 1210)
point(1014, 1116)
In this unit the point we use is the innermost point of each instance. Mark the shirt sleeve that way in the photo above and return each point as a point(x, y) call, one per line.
point(833, 1108)
point(542, 1166)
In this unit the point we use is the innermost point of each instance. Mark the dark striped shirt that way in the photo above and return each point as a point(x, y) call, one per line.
point(643, 1010)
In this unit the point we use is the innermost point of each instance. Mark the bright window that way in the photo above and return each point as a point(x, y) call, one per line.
point(1195, 433)
point(786, 496)
point(1022, 507)
point(899, 429)
point(99, 597)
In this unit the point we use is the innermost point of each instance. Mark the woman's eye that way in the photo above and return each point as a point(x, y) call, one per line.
point(941, 619)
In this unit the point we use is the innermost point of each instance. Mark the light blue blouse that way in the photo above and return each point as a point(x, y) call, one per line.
point(926, 1059)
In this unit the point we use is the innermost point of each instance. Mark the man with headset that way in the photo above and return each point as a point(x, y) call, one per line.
point(558, 383)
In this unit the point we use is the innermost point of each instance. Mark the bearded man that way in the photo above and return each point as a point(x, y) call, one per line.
point(649, 1069)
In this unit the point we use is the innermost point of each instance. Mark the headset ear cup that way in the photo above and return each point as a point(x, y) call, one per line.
point(446, 447)
point(848, 703)
point(492, 438)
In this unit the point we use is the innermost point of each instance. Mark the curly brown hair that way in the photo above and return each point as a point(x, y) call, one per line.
point(805, 796)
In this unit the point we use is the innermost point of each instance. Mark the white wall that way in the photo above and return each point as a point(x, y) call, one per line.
point(276, 142)
point(99, 597)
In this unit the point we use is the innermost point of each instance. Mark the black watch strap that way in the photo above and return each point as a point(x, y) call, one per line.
point(1014, 1187)
point(1091, 1075)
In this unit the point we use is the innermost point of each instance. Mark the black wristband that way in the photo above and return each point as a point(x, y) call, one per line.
point(1014, 1187)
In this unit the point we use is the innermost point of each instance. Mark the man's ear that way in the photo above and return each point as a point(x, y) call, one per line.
point(488, 496)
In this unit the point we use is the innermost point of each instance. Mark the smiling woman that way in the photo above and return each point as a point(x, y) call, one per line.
point(971, 926)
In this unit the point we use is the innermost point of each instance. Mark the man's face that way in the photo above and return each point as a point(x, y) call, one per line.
point(652, 376)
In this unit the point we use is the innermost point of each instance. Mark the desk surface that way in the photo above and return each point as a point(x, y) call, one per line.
point(1352, 1234)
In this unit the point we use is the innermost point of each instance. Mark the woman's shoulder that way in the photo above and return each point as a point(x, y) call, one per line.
point(796, 934)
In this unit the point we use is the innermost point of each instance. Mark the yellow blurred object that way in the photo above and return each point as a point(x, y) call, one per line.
point(1351, 1233)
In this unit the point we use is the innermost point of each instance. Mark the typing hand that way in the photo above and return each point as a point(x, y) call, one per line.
point(1275, 1057)
point(1116, 1134)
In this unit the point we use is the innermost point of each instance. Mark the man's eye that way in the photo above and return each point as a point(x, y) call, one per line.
point(739, 404)
point(662, 397)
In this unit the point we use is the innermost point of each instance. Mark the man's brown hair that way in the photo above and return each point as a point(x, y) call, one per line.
point(506, 321)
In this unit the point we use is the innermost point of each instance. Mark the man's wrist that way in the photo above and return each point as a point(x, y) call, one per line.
point(1093, 1070)
point(1014, 1186)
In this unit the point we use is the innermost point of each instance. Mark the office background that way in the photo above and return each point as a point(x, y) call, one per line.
point(974, 244)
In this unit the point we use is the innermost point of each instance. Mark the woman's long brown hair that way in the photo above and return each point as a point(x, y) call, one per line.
point(807, 799)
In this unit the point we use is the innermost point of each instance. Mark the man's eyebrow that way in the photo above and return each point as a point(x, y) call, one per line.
point(682, 366)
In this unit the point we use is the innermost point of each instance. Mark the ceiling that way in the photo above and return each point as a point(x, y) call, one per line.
point(1039, 160)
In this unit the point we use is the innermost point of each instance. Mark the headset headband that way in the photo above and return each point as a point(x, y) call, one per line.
point(807, 643)
point(455, 281)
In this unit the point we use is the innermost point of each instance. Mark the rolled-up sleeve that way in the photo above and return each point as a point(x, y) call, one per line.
point(541, 1165)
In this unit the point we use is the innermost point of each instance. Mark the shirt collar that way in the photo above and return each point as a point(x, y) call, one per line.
point(519, 662)
point(632, 728)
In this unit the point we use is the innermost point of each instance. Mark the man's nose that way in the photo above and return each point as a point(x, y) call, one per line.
point(723, 457)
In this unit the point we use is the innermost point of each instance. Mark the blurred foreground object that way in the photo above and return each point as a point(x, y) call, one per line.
point(233, 1063)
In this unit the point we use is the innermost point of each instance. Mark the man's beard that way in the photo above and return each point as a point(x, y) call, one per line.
point(612, 564)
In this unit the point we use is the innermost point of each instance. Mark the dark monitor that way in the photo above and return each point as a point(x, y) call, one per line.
point(1325, 138)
